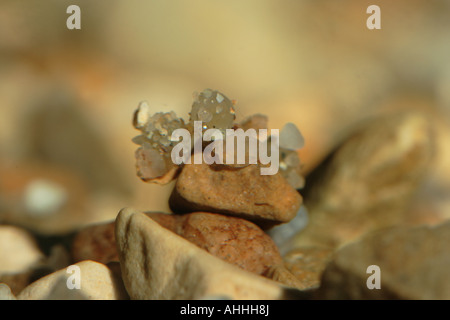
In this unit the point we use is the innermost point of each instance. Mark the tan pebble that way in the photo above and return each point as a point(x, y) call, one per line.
point(266, 200)
point(97, 282)
point(18, 250)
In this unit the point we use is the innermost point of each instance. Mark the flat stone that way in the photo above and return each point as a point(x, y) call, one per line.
point(414, 264)
point(158, 264)
point(267, 200)
point(98, 282)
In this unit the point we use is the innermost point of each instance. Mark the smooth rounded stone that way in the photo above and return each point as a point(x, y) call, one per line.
point(414, 264)
point(98, 282)
point(231, 239)
point(267, 200)
point(307, 264)
point(369, 181)
point(158, 264)
point(18, 250)
point(5, 292)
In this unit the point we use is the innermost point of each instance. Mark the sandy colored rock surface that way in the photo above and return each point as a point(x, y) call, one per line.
point(243, 192)
point(158, 264)
point(367, 183)
point(18, 250)
point(414, 264)
point(98, 282)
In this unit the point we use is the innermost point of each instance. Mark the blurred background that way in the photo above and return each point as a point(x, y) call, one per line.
point(67, 96)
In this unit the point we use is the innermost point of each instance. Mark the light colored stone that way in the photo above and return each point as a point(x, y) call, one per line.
point(98, 282)
point(369, 181)
point(291, 138)
point(5, 292)
point(266, 200)
point(414, 264)
point(18, 250)
point(158, 264)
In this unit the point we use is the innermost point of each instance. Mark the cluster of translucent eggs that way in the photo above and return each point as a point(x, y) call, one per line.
point(215, 111)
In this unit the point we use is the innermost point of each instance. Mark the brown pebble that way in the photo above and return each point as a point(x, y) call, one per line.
point(266, 200)
point(234, 240)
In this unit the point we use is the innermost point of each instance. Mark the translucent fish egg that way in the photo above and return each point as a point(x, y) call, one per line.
point(214, 109)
